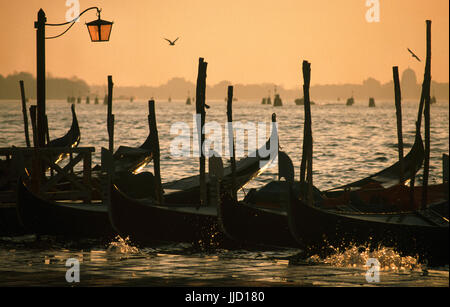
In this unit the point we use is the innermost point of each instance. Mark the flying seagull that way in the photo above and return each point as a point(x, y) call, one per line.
point(170, 42)
point(413, 55)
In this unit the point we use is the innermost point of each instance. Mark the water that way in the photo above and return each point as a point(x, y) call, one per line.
point(349, 143)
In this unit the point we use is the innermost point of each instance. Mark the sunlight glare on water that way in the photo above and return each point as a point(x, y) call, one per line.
point(357, 257)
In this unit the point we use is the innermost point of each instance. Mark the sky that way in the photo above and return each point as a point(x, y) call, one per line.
point(243, 41)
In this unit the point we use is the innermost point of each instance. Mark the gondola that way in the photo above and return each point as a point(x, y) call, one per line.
point(187, 190)
point(180, 218)
point(77, 219)
point(260, 219)
point(131, 159)
point(422, 232)
point(247, 221)
point(66, 218)
point(8, 175)
point(70, 139)
point(144, 221)
point(375, 217)
point(70, 220)
point(388, 177)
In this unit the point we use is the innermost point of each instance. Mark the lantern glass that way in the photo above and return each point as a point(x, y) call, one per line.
point(105, 32)
point(99, 30)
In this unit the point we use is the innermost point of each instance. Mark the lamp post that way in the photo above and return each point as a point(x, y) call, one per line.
point(99, 31)
point(40, 76)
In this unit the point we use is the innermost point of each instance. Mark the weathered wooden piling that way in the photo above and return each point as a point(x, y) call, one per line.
point(47, 138)
point(307, 121)
point(231, 141)
point(110, 116)
point(200, 110)
point(215, 175)
point(33, 118)
point(307, 150)
point(107, 167)
point(398, 109)
point(24, 112)
point(156, 151)
point(40, 79)
point(47, 133)
point(426, 113)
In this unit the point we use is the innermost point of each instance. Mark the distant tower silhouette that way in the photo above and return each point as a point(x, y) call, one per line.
point(409, 85)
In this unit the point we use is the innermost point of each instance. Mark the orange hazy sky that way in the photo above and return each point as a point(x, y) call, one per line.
point(243, 41)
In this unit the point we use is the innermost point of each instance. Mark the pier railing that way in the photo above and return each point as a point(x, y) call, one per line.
point(59, 182)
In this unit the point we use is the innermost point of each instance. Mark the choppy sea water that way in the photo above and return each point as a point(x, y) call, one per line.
point(349, 143)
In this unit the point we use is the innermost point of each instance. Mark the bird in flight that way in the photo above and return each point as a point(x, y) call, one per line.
point(171, 43)
point(413, 55)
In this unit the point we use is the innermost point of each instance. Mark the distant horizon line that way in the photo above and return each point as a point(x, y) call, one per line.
point(272, 83)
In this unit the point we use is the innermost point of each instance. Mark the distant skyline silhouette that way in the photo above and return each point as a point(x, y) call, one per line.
point(180, 88)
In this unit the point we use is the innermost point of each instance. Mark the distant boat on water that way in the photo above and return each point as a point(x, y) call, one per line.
point(350, 101)
point(277, 102)
point(371, 102)
point(301, 101)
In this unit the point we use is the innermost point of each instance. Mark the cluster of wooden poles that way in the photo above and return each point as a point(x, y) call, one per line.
point(307, 148)
point(424, 106)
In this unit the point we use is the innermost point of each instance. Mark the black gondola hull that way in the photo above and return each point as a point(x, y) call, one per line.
point(409, 233)
point(249, 225)
point(69, 220)
point(146, 223)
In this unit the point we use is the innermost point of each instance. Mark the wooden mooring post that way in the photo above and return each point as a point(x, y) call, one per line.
point(215, 175)
point(110, 116)
point(231, 141)
point(307, 150)
point(24, 112)
point(426, 113)
point(33, 118)
point(200, 111)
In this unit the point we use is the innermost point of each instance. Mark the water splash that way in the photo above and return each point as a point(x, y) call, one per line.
point(357, 256)
point(122, 246)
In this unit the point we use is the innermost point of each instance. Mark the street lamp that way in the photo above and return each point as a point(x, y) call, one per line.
point(99, 31)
